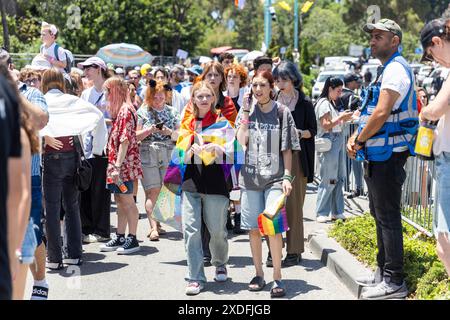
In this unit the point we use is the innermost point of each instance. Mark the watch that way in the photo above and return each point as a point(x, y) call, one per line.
point(360, 143)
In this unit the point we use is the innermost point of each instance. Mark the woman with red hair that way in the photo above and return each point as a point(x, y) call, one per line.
point(124, 165)
point(157, 130)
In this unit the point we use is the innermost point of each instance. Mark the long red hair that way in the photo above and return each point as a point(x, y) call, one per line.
point(118, 94)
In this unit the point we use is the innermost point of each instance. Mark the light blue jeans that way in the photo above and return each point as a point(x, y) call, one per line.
point(330, 196)
point(215, 216)
point(441, 221)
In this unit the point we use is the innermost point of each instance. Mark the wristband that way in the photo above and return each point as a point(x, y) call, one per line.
point(248, 111)
point(244, 121)
point(288, 178)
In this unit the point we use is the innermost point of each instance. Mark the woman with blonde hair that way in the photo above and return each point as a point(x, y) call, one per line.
point(157, 129)
point(124, 165)
point(205, 191)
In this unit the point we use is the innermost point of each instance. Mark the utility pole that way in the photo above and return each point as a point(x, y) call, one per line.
point(296, 54)
point(5, 26)
point(267, 24)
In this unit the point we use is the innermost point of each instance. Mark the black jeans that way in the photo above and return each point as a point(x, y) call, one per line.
point(95, 202)
point(58, 179)
point(385, 183)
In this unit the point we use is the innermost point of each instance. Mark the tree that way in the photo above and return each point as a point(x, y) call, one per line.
point(4, 26)
point(305, 58)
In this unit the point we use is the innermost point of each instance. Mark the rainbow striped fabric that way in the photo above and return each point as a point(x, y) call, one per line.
point(274, 219)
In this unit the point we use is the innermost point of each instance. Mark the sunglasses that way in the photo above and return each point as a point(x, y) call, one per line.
point(152, 83)
point(31, 82)
point(91, 66)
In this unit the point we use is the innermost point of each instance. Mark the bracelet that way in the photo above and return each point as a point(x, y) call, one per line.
point(288, 178)
point(245, 121)
point(248, 111)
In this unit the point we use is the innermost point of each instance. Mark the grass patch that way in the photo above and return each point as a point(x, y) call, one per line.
point(425, 274)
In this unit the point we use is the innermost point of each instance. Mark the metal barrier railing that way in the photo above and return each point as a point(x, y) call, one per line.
point(418, 194)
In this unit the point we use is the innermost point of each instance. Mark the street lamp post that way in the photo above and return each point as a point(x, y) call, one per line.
point(296, 54)
point(267, 24)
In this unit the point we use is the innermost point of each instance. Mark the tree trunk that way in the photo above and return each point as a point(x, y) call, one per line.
point(5, 26)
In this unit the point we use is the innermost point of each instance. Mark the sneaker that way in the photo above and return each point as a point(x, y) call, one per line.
point(207, 261)
point(115, 243)
point(339, 216)
point(355, 194)
point(73, 262)
point(39, 293)
point(99, 238)
point(54, 265)
point(370, 280)
point(292, 259)
point(131, 245)
point(322, 219)
point(221, 274)
point(193, 288)
point(90, 238)
point(385, 290)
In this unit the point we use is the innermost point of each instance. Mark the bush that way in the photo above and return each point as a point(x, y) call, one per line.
point(425, 274)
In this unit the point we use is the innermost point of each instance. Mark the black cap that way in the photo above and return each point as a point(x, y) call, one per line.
point(349, 77)
point(434, 28)
point(260, 61)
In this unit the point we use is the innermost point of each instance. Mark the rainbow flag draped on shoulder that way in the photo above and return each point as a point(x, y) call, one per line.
point(212, 129)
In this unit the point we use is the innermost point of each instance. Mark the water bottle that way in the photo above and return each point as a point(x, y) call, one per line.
point(424, 142)
point(122, 187)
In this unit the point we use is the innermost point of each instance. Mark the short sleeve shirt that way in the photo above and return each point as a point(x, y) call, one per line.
point(124, 128)
point(322, 108)
point(269, 135)
point(168, 115)
point(50, 51)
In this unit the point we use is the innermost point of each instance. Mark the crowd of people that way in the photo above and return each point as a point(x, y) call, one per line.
point(72, 138)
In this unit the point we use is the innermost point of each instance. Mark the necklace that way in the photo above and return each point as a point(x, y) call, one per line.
point(264, 104)
point(292, 99)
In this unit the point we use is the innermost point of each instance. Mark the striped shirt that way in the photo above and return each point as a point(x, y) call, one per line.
point(37, 98)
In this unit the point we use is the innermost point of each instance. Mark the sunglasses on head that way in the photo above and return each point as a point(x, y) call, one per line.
point(152, 84)
point(91, 66)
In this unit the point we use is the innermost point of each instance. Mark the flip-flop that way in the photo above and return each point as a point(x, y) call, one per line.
point(259, 281)
point(278, 284)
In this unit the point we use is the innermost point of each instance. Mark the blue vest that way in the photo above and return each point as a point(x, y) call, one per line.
point(399, 130)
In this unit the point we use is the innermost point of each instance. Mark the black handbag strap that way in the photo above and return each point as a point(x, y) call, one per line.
point(79, 148)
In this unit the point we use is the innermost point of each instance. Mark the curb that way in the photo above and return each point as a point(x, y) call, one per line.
point(343, 264)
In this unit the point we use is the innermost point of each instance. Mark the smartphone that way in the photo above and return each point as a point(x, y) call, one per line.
point(250, 98)
point(159, 125)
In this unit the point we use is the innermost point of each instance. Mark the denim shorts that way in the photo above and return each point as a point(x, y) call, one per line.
point(441, 221)
point(155, 158)
point(253, 204)
point(115, 189)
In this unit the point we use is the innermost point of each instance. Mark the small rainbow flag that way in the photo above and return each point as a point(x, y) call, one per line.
point(271, 227)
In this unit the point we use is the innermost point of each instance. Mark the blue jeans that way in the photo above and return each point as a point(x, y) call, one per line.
point(215, 217)
point(357, 167)
point(441, 221)
point(36, 207)
point(330, 196)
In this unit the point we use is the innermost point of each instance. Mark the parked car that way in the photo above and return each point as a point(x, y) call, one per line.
point(320, 82)
point(371, 66)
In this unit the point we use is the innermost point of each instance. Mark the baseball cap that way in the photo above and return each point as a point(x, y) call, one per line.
point(145, 69)
point(434, 28)
point(40, 63)
point(119, 71)
point(349, 77)
point(195, 69)
point(96, 61)
point(385, 25)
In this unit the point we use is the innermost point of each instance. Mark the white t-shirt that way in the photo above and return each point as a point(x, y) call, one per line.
point(441, 141)
point(322, 108)
point(50, 51)
point(396, 78)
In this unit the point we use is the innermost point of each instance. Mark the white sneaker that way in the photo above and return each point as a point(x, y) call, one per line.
point(90, 238)
point(322, 219)
point(339, 216)
point(193, 288)
point(385, 290)
point(221, 274)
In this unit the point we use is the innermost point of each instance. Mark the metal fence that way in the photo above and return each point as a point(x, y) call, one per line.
point(418, 194)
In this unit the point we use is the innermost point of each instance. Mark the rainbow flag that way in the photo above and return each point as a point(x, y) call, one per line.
point(168, 205)
point(271, 227)
point(274, 219)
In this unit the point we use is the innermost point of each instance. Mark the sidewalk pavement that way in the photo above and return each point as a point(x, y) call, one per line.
point(158, 270)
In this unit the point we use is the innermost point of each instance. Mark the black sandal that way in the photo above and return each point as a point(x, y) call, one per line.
point(281, 289)
point(259, 281)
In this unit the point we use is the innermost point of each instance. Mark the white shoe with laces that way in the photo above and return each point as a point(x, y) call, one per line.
point(339, 216)
point(193, 288)
point(322, 219)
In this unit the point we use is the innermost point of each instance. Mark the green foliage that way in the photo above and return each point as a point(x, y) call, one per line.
point(425, 275)
point(305, 58)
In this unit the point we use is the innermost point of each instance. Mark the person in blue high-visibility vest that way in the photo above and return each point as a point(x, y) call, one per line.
point(384, 141)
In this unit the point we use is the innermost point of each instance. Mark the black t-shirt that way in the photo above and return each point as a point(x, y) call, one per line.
point(10, 147)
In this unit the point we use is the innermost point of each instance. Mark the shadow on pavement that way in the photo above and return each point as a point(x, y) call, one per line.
point(311, 265)
point(176, 263)
point(92, 256)
point(240, 262)
point(89, 268)
point(296, 287)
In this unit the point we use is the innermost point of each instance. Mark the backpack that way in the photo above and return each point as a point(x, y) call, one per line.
point(67, 53)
